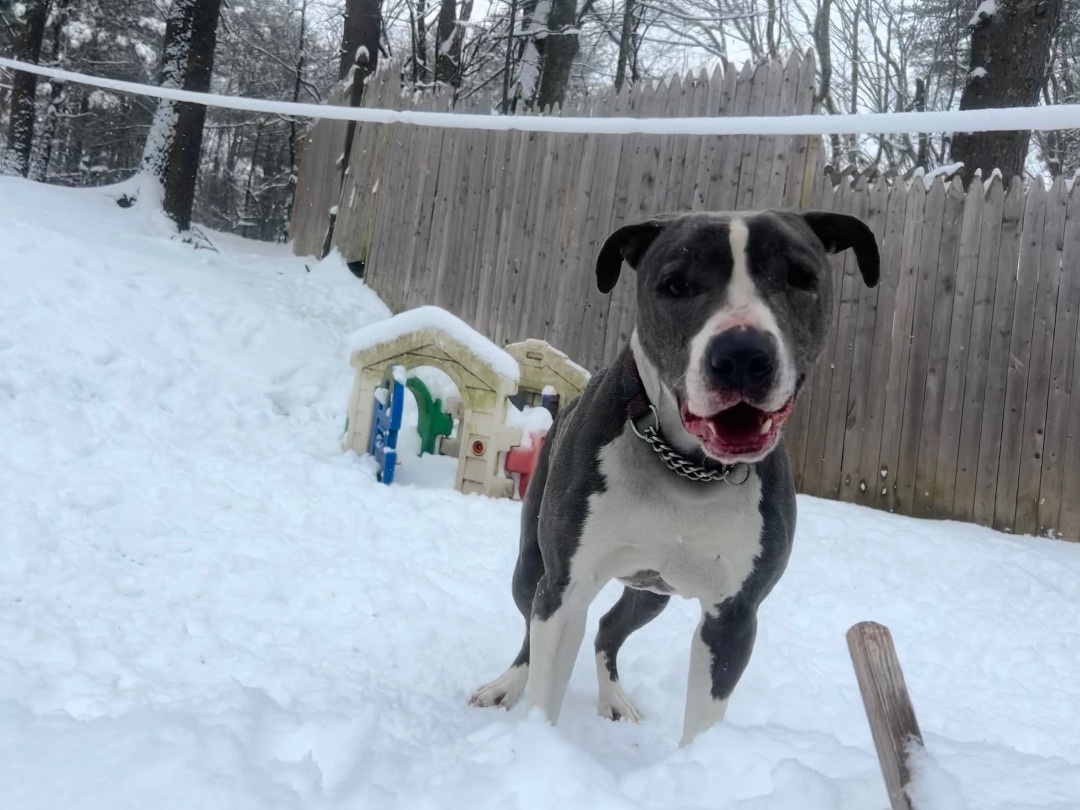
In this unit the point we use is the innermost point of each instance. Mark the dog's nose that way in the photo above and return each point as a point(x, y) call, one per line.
point(741, 360)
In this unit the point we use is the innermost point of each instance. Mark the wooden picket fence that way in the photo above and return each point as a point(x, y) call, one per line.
point(947, 391)
point(950, 390)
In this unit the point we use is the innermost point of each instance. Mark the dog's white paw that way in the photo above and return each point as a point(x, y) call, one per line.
point(615, 705)
point(504, 691)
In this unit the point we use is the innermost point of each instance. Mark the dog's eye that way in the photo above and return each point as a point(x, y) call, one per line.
point(800, 278)
point(677, 287)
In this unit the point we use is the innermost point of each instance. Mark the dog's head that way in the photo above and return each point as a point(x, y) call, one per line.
point(732, 311)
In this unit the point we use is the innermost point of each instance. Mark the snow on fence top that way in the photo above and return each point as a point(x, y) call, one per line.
point(986, 8)
point(1062, 116)
point(414, 320)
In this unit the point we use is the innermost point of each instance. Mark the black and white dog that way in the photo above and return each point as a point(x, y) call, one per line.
point(668, 473)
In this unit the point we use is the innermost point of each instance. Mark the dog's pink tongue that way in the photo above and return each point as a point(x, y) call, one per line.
point(738, 430)
point(701, 426)
point(733, 421)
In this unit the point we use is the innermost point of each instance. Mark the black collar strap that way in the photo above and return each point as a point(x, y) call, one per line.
point(637, 402)
point(639, 407)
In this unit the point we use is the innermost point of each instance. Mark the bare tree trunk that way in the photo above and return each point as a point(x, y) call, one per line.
point(508, 61)
point(557, 50)
point(360, 41)
point(626, 45)
point(414, 58)
point(824, 94)
point(359, 60)
point(923, 156)
point(853, 107)
point(420, 60)
point(183, 160)
point(457, 43)
point(528, 44)
point(248, 195)
point(39, 166)
point(1059, 147)
point(28, 40)
point(770, 29)
point(1010, 54)
point(363, 30)
point(445, 35)
point(174, 55)
point(294, 134)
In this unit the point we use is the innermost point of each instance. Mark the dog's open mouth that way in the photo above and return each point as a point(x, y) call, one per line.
point(740, 432)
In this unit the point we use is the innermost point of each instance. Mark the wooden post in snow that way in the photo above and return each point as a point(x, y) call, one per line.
point(888, 707)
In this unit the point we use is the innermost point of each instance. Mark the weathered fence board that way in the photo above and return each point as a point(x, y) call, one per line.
point(804, 153)
point(318, 186)
point(919, 355)
point(1056, 505)
point(1038, 366)
point(504, 264)
point(950, 390)
point(470, 194)
point(982, 315)
point(820, 379)
point(733, 156)
point(860, 389)
point(760, 95)
point(1069, 521)
point(900, 346)
point(954, 367)
point(853, 199)
point(759, 189)
point(997, 372)
point(600, 206)
point(938, 355)
point(1012, 427)
point(797, 432)
point(777, 163)
point(871, 486)
point(701, 165)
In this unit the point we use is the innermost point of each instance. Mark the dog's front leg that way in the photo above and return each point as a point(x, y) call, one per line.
point(556, 631)
point(718, 656)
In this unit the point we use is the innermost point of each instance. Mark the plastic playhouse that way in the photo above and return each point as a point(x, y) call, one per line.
point(548, 379)
point(386, 422)
point(495, 445)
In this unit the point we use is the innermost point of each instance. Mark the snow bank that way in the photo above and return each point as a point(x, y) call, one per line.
point(433, 317)
point(932, 787)
point(531, 418)
point(204, 603)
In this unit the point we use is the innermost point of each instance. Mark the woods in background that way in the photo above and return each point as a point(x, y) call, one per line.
point(515, 55)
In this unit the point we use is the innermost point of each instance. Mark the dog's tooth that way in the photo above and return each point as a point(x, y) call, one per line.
point(765, 428)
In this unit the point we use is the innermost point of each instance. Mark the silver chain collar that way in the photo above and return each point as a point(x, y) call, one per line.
point(679, 465)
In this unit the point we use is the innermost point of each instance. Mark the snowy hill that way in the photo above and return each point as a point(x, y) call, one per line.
point(205, 604)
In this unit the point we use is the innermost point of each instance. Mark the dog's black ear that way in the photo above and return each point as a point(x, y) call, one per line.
point(628, 244)
point(839, 232)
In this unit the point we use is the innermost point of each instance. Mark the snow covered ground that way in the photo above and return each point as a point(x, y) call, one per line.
point(204, 604)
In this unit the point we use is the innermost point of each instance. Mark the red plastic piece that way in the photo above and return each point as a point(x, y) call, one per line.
point(523, 460)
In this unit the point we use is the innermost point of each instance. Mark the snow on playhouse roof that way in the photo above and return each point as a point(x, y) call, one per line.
point(584, 372)
point(414, 320)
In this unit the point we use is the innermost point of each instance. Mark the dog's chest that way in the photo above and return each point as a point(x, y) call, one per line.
point(656, 531)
